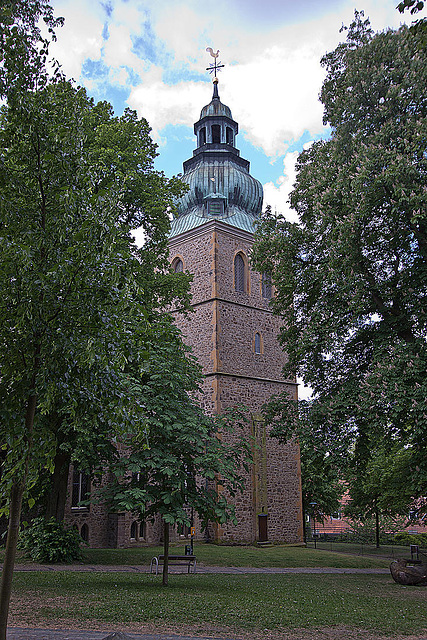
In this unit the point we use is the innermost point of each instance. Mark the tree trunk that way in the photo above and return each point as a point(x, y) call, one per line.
point(55, 507)
point(16, 493)
point(9, 558)
point(377, 528)
point(165, 553)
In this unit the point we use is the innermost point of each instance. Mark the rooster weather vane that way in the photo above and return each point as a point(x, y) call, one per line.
point(214, 67)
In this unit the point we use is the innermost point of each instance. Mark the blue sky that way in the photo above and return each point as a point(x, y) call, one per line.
point(151, 55)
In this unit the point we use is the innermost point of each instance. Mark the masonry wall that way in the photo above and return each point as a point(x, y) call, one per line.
point(221, 332)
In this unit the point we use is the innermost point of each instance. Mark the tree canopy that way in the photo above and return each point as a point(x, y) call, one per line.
point(351, 275)
point(176, 461)
point(76, 293)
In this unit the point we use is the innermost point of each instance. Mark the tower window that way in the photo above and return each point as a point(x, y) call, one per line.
point(239, 273)
point(177, 265)
point(266, 286)
point(257, 343)
point(216, 133)
point(229, 135)
point(202, 136)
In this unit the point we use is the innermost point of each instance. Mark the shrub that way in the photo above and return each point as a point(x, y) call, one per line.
point(411, 538)
point(49, 541)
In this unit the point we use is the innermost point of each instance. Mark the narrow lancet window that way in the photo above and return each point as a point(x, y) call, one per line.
point(239, 273)
point(266, 286)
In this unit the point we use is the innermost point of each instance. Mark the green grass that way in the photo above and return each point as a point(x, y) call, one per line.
point(224, 556)
point(386, 550)
point(233, 602)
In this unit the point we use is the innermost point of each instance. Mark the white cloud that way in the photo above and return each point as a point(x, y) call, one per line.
point(81, 36)
point(276, 195)
point(273, 74)
point(164, 104)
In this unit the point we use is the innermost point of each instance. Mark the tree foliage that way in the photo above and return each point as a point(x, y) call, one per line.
point(176, 461)
point(351, 276)
point(24, 48)
point(418, 27)
point(76, 293)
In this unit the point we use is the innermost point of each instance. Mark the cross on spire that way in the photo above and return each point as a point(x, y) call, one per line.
point(215, 66)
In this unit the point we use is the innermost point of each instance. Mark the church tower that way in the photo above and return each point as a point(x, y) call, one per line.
point(233, 331)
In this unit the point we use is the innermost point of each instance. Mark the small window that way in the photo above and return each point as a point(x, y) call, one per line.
point(257, 343)
point(177, 265)
point(84, 533)
point(216, 133)
point(229, 135)
point(215, 207)
point(202, 136)
point(80, 489)
point(266, 286)
point(239, 273)
point(133, 530)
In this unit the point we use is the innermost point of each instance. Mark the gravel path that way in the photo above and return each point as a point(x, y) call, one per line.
point(200, 569)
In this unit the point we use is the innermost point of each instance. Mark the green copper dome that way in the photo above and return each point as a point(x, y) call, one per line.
point(221, 186)
point(216, 108)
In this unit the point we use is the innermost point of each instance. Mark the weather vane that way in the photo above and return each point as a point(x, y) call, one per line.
point(215, 66)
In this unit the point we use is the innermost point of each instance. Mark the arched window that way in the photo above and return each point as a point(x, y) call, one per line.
point(177, 265)
point(266, 286)
point(202, 136)
point(133, 530)
point(216, 133)
point(84, 533)
point(229, 135)
point(257, 343)
point(239, 273)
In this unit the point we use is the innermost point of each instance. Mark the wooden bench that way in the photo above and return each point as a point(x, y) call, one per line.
point(190, 561)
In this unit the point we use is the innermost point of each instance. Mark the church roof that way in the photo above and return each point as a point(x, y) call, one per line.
point(216, 108)
point(239, 220)
point(220, 184)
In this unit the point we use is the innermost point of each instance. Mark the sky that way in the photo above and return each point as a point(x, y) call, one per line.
point(150, 55)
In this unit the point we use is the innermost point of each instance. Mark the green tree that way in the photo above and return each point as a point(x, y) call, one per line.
point(177, 461)
point(75, 291)
point(24, 51)
point(380, 488)
point(351, 275)
point(418, 27)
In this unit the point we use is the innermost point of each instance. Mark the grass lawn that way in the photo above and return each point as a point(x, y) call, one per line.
point(241, 604)
point(223, 556)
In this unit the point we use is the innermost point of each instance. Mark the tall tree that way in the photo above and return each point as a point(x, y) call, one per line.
point(351, 275)
point(75, 291)
point(177, 461)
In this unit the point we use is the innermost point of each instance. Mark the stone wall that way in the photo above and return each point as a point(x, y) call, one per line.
point(221, 331)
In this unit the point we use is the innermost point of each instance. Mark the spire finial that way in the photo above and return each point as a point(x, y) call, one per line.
point(214, 68)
